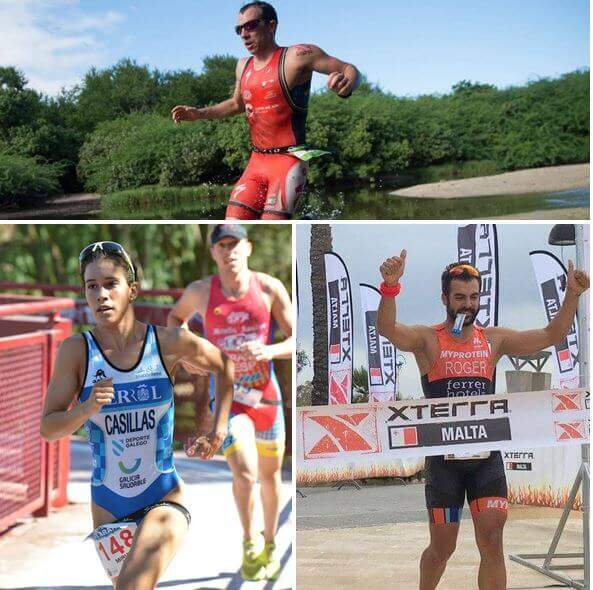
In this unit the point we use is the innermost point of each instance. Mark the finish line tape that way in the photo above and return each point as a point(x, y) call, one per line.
point(354, 433)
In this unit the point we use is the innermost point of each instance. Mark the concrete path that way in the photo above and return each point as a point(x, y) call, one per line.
point(373, 538)
point(49, 553)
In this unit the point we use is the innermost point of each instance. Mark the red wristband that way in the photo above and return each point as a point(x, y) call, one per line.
point(388, 291)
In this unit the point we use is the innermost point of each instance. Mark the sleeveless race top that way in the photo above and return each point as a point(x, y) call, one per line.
point(276, 115)
point(461, 368)
point(131, 438)
point(230, 323)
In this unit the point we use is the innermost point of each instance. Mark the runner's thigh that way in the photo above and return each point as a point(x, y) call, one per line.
point(156, 541)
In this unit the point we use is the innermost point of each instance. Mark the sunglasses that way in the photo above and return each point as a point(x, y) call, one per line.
point(461, 268)
point(109, 248)
point(250, 25)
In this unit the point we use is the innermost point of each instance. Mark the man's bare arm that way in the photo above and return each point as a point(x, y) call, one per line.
point(282, 314)
point(344, 78)
point(405, 338)
point(226, 108)
point(531, 341)
point(186, 306)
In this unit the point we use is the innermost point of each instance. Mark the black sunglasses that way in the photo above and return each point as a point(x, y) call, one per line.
point(108, 248)
point(250, 25)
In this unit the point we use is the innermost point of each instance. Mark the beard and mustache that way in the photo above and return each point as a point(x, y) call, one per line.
point(470, 314)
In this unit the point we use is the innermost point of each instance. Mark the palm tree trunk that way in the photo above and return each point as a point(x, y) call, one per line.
point(321, 242)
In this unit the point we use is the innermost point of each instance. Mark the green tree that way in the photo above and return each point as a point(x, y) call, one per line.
point(119, 90)
point(166, 255)
point(360, 384)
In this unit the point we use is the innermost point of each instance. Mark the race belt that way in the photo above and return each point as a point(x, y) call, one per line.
point(301, 152)
point(422, 427)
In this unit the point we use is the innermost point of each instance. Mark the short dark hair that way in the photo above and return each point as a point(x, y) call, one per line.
point(268, 12)
point(465, 274)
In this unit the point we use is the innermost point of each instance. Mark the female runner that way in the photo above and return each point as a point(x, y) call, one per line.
point(120, 375)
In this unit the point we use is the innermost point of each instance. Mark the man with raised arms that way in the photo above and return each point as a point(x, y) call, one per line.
point(457, 358)
point(239, 308)
point(272, 88)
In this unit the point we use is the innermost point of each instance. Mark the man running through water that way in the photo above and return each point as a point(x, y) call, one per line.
point(117, 380)
point(272, 88)
point(239, 308)
point(450, 478)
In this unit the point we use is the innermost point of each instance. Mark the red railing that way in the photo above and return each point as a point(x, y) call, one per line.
point(33, 473)
point(61, 312)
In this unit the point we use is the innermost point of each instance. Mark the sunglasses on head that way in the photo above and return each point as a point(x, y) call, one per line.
point(109, 248)
point(250, 25)
point(461, 268)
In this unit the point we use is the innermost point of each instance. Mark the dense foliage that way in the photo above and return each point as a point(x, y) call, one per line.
point(113, 132)
point(166, 255)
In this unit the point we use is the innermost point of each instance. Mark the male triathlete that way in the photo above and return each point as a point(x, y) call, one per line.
point(239, 308)
point(457, 358)
point(272, 88)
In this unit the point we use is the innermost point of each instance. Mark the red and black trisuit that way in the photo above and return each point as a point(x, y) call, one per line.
point(462, 368)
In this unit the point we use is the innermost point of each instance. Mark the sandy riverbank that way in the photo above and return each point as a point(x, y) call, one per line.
point(535, 180)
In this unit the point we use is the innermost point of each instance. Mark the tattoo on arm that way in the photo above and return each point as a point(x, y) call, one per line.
point(303, 50)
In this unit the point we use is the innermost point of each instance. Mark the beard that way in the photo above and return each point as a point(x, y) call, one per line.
point(470, 315)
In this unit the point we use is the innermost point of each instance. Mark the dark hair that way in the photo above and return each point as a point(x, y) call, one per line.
point(268, 12)
point(464, 275)
point(118, 260)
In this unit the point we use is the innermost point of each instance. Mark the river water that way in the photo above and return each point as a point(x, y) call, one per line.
point(379, 204)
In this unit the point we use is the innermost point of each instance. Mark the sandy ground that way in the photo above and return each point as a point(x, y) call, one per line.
point(50, 553)
point(536, 180)
point(373, 538)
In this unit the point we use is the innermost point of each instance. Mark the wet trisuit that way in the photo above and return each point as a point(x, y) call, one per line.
point(462, 368)
point(273, 180)
point(228, 324)
point(131, 438)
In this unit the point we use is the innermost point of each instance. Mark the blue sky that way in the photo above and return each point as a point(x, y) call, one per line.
point(408, 48)
point(430, 248)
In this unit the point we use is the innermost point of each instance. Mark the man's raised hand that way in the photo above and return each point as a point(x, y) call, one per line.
point(577, 281)
point(393, 269)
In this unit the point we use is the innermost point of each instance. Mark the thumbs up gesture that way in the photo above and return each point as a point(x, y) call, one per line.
point(393, 268)
point(577, 281)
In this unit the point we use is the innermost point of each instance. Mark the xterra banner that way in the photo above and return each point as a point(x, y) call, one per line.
point(339, 330)
point(351, 440)
point(477, 244)
point(380, 352)
point(551, 278)
point(536, 476)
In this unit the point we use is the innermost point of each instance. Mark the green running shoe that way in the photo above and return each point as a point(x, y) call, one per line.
point(252, 568)
point(271, 563)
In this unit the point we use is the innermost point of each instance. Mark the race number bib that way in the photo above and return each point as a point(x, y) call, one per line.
point(466, 456)
point(248, 396)
point(113, 543)
point(305, 154)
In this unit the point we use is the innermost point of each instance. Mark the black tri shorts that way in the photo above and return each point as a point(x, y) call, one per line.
point(448, 482)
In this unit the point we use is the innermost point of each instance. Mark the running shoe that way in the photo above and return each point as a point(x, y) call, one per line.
point(271, 563)
point(252, 568)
